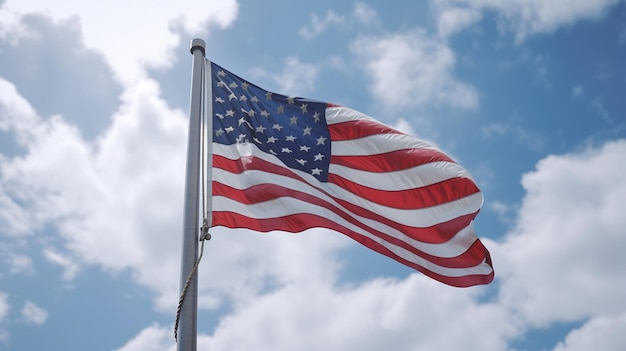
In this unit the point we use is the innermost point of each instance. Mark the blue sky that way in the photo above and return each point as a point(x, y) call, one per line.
point(529, 96)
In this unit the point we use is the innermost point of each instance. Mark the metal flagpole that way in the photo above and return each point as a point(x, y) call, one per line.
point(188, 325)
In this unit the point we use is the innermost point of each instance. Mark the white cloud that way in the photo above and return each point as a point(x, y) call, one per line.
point(454, 19)
point(523, 17)
point(296, 79)
point(70, 268)
point(115, 201)
point(128, 46)
point(412, 69)
point(19, 264)
point(33, 314)
point(319, 25)
point(364, 14)
point(602, 333)
point(4, 311)
point(4, 305)
point(578, 91)
point(566, 250)
point(152, 338)
point(514, 131)
point(379, 314)
point(361, 15)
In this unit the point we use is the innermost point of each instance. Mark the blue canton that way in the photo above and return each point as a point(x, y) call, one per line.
point(290, 128)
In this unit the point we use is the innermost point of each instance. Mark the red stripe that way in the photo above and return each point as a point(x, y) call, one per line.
point(356, 129)
point(267, 192)
point(391, 161)
point(435, 234)
point(234, 220)
point(418, 198)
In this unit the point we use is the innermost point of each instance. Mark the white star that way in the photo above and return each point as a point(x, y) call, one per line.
point(250, 113)
point(260, 129)
point(290, 100)
point(301, 161)
point(221, 84)
point(318, 157)
point(243, 98)
point(272, 140)
point(229, 129)
point(316, 171)
point(219, 99)
point(254, 99)
point(221, 73)
point(219, 132)
point(321, 140)
point(232, 96)
point(286, 150)
point(303, 107)
point(307, 131)
point(245, 85)
point(316, 117)
point(305, 148)
point(277, 127)
point(293, 120)
point(268, 96)
point(281, 109)
point(290, 138)
point(230, 113)
point(240, 138)
point(233, 85)
point(265, 113)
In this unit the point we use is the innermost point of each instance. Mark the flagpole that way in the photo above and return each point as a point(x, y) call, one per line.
point(188, 325)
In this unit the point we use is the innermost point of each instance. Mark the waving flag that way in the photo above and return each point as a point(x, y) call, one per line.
point(291, 164)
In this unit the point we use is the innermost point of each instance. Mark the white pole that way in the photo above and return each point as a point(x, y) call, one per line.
point(188, 325)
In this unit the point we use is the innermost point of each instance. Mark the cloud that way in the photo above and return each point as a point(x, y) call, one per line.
point(19, 264)
point(115, 201)
point(514, 131)
point(602, 333)
point(361, 15)
point(522, 17)
point(128, 47)
point(4, 305)
point(378, 314)
point(319, 25)
point(4, 311)
point(578, 91)
point(412, 69)
point(152, 338)
point(70, 268)
point(54, 71)
point(33, 314)
point(554, 263)
point(297, 78)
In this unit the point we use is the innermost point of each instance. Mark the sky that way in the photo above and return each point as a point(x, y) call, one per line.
point(528, 95)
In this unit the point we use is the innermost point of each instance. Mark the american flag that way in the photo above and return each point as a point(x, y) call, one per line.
point(290, 164)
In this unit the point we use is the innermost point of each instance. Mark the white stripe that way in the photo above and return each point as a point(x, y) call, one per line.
point(340, 114)
point(410, 178)
point(282, 207)
point(452, 248)
point(377, 144)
